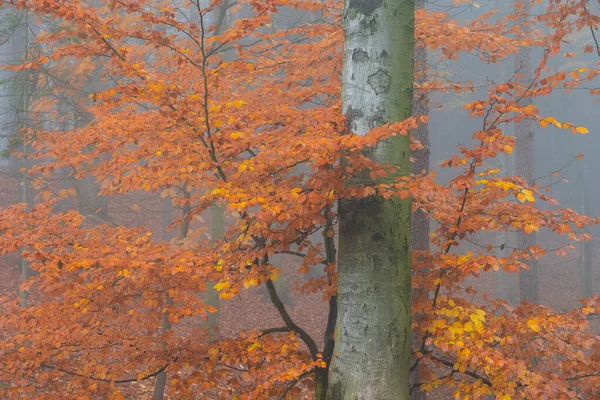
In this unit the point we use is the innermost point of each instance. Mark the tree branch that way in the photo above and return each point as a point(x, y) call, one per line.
point(289, 322)
point(151, 375)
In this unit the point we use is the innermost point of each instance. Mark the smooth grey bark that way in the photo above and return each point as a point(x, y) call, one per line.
point(20, 47)
point(586, 262)
point(373, 337)
point(217, 231)
point(10, 22)
point(167, 219)
point(528, 278)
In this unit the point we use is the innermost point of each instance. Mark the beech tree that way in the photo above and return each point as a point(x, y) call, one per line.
point(264, 133)
point(373, 335)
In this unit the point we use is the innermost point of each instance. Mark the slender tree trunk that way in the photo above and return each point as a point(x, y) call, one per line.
point(419, 224)
point(167, 219)
point(528, 278)
point(23, 123)
point(217, 231)
point(587, 273)
point(161, 379)
point(373, 338)
point(512, 281)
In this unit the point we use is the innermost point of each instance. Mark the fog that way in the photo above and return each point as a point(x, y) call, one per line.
point(107, 144)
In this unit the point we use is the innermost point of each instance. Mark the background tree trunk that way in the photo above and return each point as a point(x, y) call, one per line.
point(373, 336)
point(217, 231)
point(528, 278)
point(419, 224)
point(21, 47)
point(587, 270)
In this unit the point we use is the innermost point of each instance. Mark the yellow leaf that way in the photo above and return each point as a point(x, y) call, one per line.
point(253, 346)
point(582, 130)
point(158, 153)
point(508, 149)
point(221, 285)
point(543, 124)
point(218, 123)
point(239, 103)
point(526, 195)
point(474, 318)
point(235, 135)
point(533, 325)
point(249, 283)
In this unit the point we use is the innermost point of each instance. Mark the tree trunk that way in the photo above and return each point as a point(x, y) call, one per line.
point(528, 278)
point(22, 124)
point(161, 379)
point(419, 224)
point(217, 231)
point(587, 273)
point(373, 338)
point(167, 219)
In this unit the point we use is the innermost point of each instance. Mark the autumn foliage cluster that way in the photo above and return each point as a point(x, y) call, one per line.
point(246, 115)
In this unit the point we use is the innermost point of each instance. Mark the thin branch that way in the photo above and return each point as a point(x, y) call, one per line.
point(151, 375)
point(274, 330)
point(466, 372)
